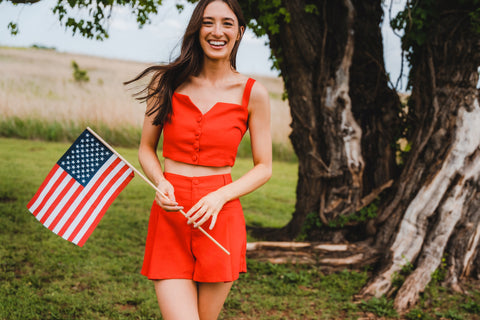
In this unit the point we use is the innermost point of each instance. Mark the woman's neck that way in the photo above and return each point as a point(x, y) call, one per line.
point(216, 71)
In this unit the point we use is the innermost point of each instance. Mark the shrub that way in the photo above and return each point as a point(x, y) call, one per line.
point(79, 75)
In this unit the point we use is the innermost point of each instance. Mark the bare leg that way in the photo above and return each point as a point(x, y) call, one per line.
point(177, 299)
point(211, 297)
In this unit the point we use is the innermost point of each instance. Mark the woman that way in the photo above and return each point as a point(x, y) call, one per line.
point(203, 106)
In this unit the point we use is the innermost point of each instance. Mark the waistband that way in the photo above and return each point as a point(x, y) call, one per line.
point(212, 179)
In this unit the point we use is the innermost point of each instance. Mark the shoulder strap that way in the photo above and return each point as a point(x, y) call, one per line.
point(247, 91)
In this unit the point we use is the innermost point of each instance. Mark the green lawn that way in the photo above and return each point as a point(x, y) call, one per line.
point(45, 277)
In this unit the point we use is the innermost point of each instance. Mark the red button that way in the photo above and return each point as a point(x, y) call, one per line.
point(195, 181)
point(194, 157)
point(199, 119)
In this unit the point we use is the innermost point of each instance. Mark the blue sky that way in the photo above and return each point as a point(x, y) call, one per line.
point(154, 43)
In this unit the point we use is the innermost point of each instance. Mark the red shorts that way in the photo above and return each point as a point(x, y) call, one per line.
point(176, 250)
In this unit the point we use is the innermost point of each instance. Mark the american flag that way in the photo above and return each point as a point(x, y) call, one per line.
point(80, 188)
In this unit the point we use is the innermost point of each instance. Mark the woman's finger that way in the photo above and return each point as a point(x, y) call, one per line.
point(214, 220)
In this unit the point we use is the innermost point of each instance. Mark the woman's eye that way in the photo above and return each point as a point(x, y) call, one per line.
point(207, 23)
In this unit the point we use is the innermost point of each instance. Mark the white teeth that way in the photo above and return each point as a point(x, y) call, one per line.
point(217, 43)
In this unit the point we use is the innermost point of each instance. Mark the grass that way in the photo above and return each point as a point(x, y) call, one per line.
point(45, 277)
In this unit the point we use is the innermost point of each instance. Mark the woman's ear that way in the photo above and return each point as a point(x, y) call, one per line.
point(240, 34)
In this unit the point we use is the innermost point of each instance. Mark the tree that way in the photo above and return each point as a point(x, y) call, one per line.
point(433, 212)
point(346, 122)
point(332, 103)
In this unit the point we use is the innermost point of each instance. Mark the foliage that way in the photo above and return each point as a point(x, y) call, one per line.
point(79, 75)
point(440, 273)
point(399, 277)
point(417, 314)
point(99, 12)
point(119, 135)
point(380, 306)
point(364, 214)
point(450, 314)
point(471, 307)
point(13, 27)
point(312, 222)
point(265, 16)
point(42, 47)
point(420, 16)
point(15, 127)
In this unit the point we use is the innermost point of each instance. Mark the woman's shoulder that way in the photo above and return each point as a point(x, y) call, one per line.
point(259, 92)
point(259, 97)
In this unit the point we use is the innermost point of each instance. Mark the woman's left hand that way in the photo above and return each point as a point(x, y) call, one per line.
point(206, 208)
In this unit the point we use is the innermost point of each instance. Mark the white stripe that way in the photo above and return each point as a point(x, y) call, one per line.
point(54, 196)
point(45, 190)
point(82, 195)
point(92, 199)
point(61, 204)
point(100, 206)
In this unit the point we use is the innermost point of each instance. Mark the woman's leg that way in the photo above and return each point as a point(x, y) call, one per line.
point(211, 297)
point(177, 299)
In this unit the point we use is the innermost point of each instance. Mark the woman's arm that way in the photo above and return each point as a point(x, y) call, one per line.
point(261, 143)
point(148, 158)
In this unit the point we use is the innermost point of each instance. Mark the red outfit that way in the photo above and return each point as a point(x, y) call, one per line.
point(175, 250)
point(209, 139)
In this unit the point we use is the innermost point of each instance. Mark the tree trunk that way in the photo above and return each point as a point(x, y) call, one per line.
point(434, 211)
point(315, 53)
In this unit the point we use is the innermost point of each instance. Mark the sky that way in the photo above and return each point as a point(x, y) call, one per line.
point(157, 42)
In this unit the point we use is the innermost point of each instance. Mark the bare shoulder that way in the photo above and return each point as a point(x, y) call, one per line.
point(259, 97)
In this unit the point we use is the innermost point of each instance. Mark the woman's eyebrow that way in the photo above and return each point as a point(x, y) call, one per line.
point(224, 18)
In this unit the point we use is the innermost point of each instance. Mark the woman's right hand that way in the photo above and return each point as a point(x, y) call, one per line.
point(166, 198)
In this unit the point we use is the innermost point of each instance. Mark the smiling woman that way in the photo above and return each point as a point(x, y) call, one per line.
point(203, 106)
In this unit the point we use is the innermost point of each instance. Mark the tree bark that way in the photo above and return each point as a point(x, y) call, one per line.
point(434, 211)
point(315, 53)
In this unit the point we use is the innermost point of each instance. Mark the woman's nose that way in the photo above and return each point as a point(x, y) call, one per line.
point(217, 30)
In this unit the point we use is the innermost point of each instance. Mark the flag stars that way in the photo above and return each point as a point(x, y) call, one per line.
point(84, 158)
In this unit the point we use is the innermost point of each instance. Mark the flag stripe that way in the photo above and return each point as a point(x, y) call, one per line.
point(66, 210)
point(43, 197)
point(95, 218)
point(63, 203)
point(40, 193)
point(83, 199)
point(94, 199)
point(63, 188)
point(52, 194)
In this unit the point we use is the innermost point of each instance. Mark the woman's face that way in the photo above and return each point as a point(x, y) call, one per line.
point(219, 31)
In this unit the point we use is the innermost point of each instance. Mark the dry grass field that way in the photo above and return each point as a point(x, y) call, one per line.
point(39, 84)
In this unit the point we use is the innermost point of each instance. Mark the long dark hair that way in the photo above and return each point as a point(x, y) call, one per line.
point(167, 78)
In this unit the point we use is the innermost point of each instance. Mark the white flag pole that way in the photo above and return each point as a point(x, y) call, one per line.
point(152, 185)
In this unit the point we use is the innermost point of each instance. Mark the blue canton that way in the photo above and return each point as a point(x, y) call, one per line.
point(84, 158)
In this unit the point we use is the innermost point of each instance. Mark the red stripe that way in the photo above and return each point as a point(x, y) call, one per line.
point(97, 202)
point(51, 192)
point(60, 197)
point(106, 206)
point(44, 184)
point(86, 197)
point(66, 208)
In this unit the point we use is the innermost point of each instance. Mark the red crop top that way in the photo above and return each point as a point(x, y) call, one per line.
point(209, 139)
